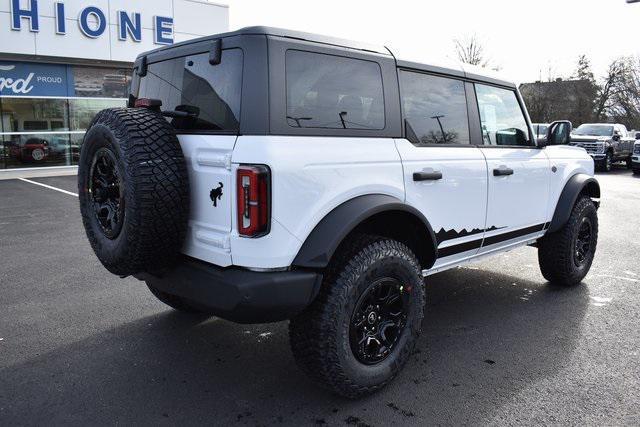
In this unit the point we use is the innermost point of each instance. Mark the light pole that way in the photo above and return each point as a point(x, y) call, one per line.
point(438, 117)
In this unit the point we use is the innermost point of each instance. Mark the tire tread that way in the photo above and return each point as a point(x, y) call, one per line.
point(156, 190)
point(555, 249)
point(313, 332)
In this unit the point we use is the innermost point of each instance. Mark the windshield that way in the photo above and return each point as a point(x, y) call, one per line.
point(594, 130)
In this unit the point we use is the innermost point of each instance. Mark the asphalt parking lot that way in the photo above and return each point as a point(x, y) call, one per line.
point(80, 346)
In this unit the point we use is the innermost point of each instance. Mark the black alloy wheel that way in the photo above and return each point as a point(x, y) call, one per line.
point(105, 189)
point(583, 242)
point(378, 321)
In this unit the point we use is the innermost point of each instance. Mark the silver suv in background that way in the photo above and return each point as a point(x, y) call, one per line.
point(605, 142)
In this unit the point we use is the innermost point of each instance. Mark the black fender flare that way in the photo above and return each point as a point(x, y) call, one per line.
point(322, 242)
point(572, 189)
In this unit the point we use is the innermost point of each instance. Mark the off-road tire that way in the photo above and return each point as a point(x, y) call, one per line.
point(320, 335)
point(629, 162)
point(636, 171)
point(154, 190)
point(606, 164)
point(556, 251)
point(174, 301)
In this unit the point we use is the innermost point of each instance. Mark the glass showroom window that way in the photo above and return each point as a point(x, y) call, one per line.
point(48, 131)
point(35, 132)
point(81, 112)
point(101, 82)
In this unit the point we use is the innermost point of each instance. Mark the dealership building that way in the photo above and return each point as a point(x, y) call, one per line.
point(63, 61)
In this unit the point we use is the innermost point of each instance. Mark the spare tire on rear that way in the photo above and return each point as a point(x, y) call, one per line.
point(134, 190)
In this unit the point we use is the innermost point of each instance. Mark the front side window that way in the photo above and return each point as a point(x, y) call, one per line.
point(434, 108)
point(333, 92)
point(540, 129)
point(501, 117)
point(208, 96)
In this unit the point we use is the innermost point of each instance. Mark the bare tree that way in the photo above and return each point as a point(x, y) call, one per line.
point(620, 97)
point(583, 69)
point(583, 98)
point(611, 88)
point(471, 51)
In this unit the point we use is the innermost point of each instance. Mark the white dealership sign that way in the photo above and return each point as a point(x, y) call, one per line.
point(109, 30)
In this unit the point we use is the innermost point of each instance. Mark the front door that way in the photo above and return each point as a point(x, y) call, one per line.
point(518, 171)
point(445, 176)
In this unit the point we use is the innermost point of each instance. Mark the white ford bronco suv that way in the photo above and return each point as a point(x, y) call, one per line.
point(264, 174)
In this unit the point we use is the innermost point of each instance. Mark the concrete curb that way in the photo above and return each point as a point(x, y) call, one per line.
point(38, 172)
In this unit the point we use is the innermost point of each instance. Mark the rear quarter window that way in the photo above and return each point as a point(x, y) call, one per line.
point(210, 93)
point(333, 92)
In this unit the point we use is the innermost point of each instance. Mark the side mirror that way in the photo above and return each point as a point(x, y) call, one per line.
point(637, 135)
point(616, 137)
point(559, 133)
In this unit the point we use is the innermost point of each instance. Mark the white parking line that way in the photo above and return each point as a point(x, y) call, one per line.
point(49, 187)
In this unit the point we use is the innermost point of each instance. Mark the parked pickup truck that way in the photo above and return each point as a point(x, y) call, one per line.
point(605, 143)
point(635, 159)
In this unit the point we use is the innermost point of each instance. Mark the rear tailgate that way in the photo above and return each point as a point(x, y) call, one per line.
point(209, 163)
point(202, 102)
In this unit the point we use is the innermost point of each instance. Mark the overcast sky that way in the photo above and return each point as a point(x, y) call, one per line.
point(524, 38)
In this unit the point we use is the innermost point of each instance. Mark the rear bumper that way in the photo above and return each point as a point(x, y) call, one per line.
point(238, 294)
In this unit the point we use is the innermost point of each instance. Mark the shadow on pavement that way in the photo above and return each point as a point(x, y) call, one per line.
point(486, 337)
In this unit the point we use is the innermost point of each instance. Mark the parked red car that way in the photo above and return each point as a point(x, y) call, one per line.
point(32, 150)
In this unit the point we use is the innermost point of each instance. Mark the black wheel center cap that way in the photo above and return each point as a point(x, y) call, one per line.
point(372, 317)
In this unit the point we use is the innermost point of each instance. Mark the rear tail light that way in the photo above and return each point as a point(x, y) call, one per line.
point(254, 200)
point(151, 104)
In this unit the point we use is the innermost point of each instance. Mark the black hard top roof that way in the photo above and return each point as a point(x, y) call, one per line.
point(459, 70)
point(281, 32)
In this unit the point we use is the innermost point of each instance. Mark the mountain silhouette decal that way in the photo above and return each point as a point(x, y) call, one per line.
point(443, 234)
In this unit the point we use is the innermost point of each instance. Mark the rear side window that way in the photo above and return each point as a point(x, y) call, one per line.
point(333, 92)
point(434, 108)
point(501, 117)
point(209, 94)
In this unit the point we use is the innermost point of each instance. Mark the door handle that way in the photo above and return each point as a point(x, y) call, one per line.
point(502, 172)
point(427, 176)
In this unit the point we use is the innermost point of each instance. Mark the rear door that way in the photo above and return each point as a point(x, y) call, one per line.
point(445, 176)
point(518, 171)
point(203, 105)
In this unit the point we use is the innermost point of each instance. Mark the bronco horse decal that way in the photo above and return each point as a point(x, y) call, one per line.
point(216, 194)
